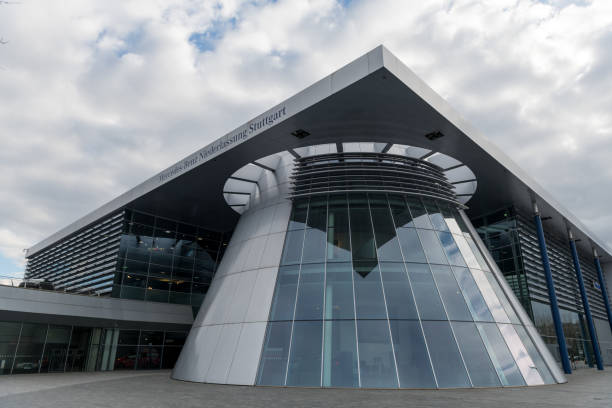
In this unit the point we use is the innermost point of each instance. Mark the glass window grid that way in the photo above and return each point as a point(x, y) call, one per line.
point(455, 227)
point(169, 276)
point(41, 349)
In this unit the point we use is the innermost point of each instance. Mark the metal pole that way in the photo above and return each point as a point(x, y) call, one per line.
point(585, 301)
point(604, 292)
point(552, 296)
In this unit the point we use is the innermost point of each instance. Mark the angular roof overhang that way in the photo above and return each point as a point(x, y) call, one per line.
point(375, 98)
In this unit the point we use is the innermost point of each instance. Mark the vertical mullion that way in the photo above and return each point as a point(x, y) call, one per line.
point(324, 289)
point(412, 290)
point(17, 347)
point(68, 348)
point(382, 286)
point(297, 291)
point(348, 214)
point(43, 350)
point(439, 293)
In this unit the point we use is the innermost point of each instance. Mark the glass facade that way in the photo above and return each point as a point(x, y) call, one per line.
point(162, 260)
point(511, 239)
point(42, 348)
point(390, 290)
point(133, 255)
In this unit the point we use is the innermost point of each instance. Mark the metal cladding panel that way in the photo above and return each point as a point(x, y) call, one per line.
point(240, 302)
point(194, 366)
point(246, 357)
point(259, 304)
point(223, 354)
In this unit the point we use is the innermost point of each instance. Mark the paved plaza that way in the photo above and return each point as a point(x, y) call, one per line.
point(150, 389)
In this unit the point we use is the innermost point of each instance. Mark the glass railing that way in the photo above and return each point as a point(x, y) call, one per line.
point(41, 284)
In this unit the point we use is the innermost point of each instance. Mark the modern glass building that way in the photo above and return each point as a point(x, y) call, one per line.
point(359, 234)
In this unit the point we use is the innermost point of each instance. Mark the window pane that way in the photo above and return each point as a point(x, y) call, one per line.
point(502, 297)
point(473, 297)
point(305, 359)
point(314, 246)
point(298, 215)
point(369, 300)
point(375, 354)
point(292, 252)
point(340, 354)
point(432, 247)
point(505, 366)
point(283, 302)
point(149, 357)
point(535, 355)
point(125, 358)
point(413, 365)
point(466, 251)
point(401, 213)
point(400, 303)
point(9, 332)
point(339, 302)
point(475, 355)
point(425, 292)
point(362, 236)
point(519, 352)
point(450, 293)
point(317, 213)
point(310, 292)
point(273, 364)
point(419, 215)
point(411, 245)
point(436, 217)
point(445, 356)
point(56, 348)
point(450, 248)
point(476, 252)
point(338, 239)
point(386, 240)
point(490, 297)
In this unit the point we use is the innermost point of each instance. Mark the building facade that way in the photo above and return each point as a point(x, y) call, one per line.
point(359, 234)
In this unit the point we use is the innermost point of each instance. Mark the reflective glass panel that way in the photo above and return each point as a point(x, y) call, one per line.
point(450, 293)
point(376, 362)
point(398, 293)
point(473, 297)
point(445, 355)
point(339, 302)
point(490, 297)
point(283, 302)
point(505, 366)
point(535, 355)
point(519, 352)
point(309, 304)
point(475, 355)
point(451, 249)
point(425, 292)
point(432, 247)
point(340, 354)
point(362, 236)
point(502, 297)
point(476, 252)
point(413, 365)
point(369, 301)
point(305, 358)
point(386, 240)
point(401, 213)
point(298, 215)
point(317, 213)
point(411, 245)
point(273, 362)
point(419, 215)
point(338, 239)
point(292, 252)
point(436, 217)
point(314, 246)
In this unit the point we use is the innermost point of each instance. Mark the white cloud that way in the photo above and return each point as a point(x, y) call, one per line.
point(96, 97)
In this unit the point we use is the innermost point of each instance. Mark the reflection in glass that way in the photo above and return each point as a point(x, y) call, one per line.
point(376, 360)
point(505, 366)
point(450, 293)
point(413, 365)
point(475, 355)
point(273, 362)
point(535, 355)
point(521, 357)
point(411, 245)
point(419, 215)
point(339, 302)
point(340, 354)
point(445, 356)
point(432, 247)
point(309, 305)
point(283, 302)
point(305, 358)
point(490, 297)
point(314, 246)
point(450, 248)
point(292, 253)
point(369, 300)
point(400, 211)
point(473, 297)
point(436, 217)
point(386, 240)
point(398, 293)
point(338, 239)
point(425, 292)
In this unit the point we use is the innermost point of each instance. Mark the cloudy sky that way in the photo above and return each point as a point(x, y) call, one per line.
point(97, 96)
